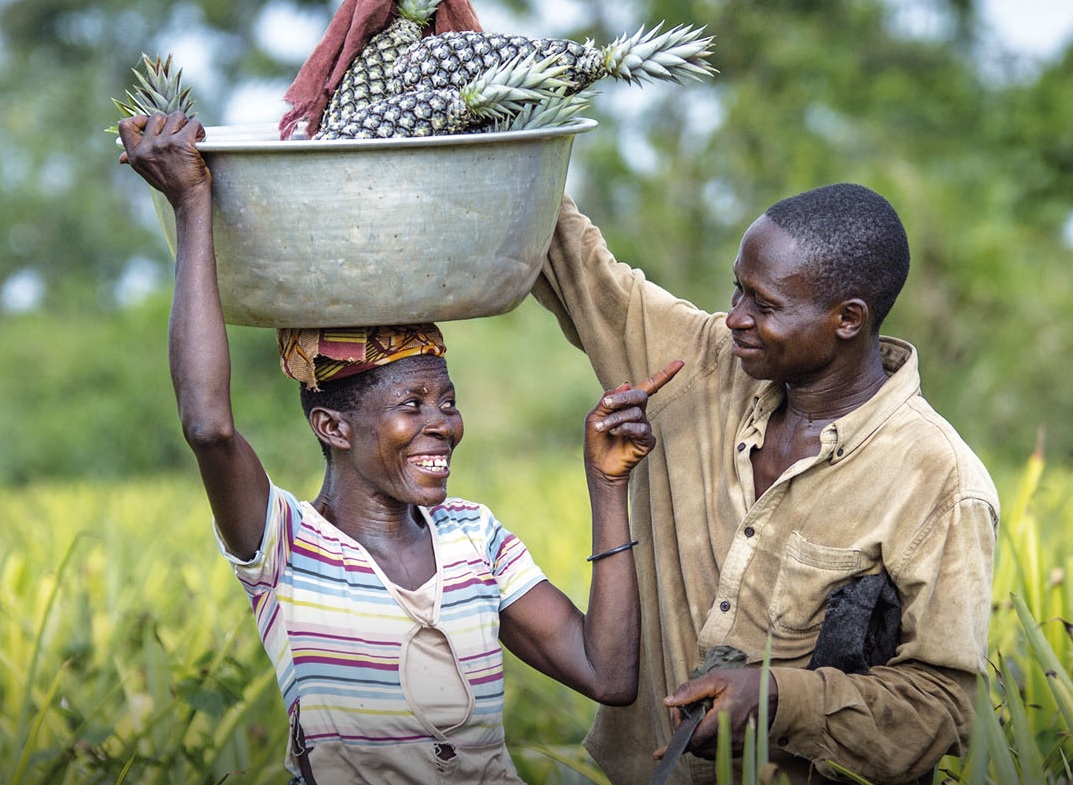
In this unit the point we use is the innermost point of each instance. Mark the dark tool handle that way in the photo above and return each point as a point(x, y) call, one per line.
point(692, 714)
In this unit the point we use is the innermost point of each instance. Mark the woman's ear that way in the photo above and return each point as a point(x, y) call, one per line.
point(854, 316)
point(330, 427)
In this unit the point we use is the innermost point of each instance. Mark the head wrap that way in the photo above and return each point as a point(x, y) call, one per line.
point(323, 354)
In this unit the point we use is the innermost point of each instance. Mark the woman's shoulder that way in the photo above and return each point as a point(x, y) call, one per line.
point(455, 511)
point(462, 519)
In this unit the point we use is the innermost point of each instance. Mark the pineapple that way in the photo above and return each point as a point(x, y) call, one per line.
point(556, 110)
point(159, 89)
point(453, 58)
point(496, 94)
point(366, 78)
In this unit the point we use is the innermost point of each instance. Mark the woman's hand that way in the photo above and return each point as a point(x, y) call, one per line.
point(596, 652)
point(617, 432)
point(163, 150)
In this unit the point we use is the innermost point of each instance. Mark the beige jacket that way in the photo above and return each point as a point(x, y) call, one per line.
point(893, 487)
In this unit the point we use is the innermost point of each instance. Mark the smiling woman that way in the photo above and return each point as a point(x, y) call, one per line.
point(397, 431)
point(382, 601)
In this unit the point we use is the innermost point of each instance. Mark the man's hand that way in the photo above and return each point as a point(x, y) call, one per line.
point(617, 432)
point(733, 690)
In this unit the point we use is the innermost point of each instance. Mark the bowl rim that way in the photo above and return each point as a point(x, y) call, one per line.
point(264, 137)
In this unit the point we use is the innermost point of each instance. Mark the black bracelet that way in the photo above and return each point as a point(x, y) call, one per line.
point(612, 552)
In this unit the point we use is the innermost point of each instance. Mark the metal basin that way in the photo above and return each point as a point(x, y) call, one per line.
point(339, 233)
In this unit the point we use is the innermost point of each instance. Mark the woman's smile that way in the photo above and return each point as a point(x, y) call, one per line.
point(437, 465)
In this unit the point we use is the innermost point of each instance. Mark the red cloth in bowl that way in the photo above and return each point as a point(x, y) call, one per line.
point(353, 25)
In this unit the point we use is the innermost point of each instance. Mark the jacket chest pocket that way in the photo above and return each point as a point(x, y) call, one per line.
point(807, 575)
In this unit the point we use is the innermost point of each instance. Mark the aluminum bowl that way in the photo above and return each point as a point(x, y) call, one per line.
point(317, 233)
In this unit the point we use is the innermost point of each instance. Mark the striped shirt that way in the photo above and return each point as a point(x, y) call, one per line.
point(333, 627)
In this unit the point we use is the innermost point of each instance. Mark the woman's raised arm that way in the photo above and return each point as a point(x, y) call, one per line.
point(163, 150)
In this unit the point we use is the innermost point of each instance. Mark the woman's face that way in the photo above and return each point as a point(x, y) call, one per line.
point(404, 431)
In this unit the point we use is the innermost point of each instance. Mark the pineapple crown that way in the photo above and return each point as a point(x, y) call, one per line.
point(506, 89)
point(159, 89)
point(557, 110)
point(670, 56)
point(418, 11)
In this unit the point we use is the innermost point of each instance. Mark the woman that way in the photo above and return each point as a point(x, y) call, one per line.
point(382, 602)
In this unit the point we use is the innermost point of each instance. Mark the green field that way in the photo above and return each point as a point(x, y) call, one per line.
point(129, 654)
point(128, 648)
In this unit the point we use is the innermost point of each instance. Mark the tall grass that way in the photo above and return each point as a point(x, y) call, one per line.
point(1024, 728)
point(128, 653)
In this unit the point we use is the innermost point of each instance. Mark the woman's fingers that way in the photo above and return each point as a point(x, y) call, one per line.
point(624, 395)
point(653, 383)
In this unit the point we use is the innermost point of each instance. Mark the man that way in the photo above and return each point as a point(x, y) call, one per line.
point(795, 456)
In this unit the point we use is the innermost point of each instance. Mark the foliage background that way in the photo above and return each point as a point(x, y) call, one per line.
point(972, 144)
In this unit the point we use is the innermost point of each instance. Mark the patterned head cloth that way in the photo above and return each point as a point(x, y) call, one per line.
point(319, 355)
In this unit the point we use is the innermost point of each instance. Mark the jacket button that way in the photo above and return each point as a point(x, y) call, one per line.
point(724, 606)
point(749, 531)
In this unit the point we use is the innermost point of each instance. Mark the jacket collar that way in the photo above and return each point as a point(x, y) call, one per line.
point(847, 433)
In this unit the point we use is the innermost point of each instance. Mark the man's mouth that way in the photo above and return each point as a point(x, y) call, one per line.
point(740, 347)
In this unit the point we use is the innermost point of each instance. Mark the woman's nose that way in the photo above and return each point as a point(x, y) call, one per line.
point(436, 423)
point(442, 424)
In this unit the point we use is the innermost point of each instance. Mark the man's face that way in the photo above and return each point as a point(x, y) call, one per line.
point(780, 329)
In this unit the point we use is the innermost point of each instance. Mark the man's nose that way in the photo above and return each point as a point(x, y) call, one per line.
point(737, 316)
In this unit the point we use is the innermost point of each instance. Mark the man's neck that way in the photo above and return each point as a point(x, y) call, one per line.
point(837, 395)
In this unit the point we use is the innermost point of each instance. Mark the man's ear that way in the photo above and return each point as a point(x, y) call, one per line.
point(854, 317)
point(330, 427)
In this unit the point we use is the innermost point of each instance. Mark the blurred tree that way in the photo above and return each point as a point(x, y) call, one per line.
point(63, 203)
point(976, 160)
point(976, 156)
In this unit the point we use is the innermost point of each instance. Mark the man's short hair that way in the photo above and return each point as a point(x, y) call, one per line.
point(855, 243)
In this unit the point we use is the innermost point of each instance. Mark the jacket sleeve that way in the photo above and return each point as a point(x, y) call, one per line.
point(890, 725)
point(628, 326)
point(895, 722)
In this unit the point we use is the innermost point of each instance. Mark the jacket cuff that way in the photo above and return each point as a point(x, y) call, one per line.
point(799, 717)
